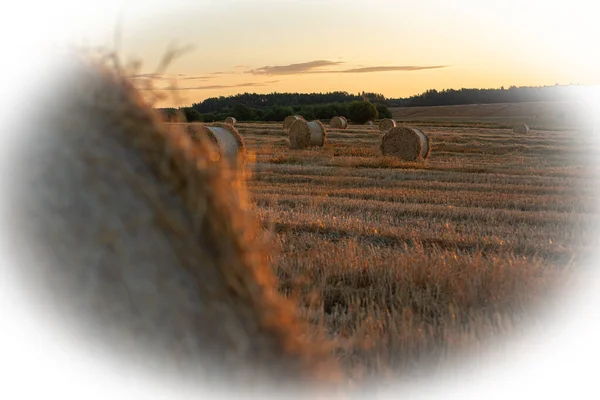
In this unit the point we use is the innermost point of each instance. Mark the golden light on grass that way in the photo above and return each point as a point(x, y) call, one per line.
point(469, 267)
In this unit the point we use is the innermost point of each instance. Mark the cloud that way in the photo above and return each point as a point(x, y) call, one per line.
point(216, 73)
point(208, 87)
point(161, 77)
point(193, 78)
point(315, 67)
point(253, 84)
point(291, 69)
point(148, 76)
point(311, 67)
point(390, 68)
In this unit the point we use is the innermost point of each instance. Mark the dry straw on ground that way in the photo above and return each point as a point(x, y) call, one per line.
point(521, 129)
point(338, 123)
point(289, 121)
point(230, 120)
point(146, 242)
point(386, 124)
point(304, 134)
point(227, 139)
point(406, 143)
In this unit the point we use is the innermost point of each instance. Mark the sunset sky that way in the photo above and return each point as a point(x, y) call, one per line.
point(397, 48)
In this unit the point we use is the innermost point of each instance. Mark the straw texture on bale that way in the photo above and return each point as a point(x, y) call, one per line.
point(289, 121)
point(338, 123)
point(406, 143)
point(227, 139)
point(521, 129)
point(305, 134)
point(230, 120)
point(146, 245)
point(386, 124)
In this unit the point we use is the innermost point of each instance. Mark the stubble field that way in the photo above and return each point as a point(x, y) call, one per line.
point(403, 264)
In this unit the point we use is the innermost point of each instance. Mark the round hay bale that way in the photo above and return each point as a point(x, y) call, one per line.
point(386, 124)
point(304, 134)
point(230, 120)
point(521, 129)
point(406, 143)
point(227, 139)
point(369, 123)
point(338, 123)
point(289, 120)
point(145, 246)
point(426, 144)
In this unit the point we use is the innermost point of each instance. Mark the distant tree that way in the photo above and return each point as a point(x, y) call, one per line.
point(221, 116)
point(324, 111)
point(259, 114)
point(242, 112)
point(266, 101)
point(278, 113)
point(192, 115)
point(341, 110)
point(362, 111)
point(209, 117)
point(246, 106)
point(308, 112)
point(383, 111)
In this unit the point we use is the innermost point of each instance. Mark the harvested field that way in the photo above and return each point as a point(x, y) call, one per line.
point(538, 115)
point(404, 263)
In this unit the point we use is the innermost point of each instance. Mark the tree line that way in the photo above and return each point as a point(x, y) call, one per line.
point(359, 108)
point(514, 94)
point(358, 111)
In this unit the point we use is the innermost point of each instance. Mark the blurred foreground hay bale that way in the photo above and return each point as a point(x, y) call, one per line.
point(386, 124)
point(338, 123)
point(304, 134)
point(146, 243)
point(289, 120)
point(406, 143)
